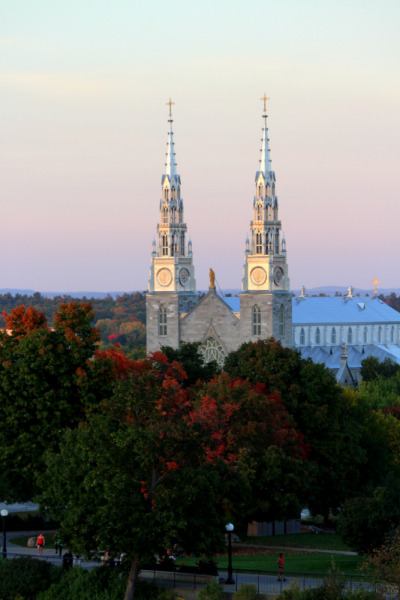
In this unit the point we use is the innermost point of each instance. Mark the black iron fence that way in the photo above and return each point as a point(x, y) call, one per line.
point(266, 582)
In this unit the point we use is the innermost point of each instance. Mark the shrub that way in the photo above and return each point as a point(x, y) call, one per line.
point(212, 591)
point(25, 577)
point(247, 592)
point(101, 583)
point(207, 567)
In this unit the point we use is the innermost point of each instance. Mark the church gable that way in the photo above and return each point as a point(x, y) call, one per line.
point(213, 323)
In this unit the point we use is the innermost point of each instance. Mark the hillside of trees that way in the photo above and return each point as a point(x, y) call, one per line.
point(121, 320)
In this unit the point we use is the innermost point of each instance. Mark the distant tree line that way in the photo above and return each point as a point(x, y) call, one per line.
point(121, 321)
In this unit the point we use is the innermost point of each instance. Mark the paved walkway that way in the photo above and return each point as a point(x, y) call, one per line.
point(346, 552)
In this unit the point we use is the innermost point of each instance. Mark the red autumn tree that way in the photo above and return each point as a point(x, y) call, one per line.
point(24, 320)
point(153, 469)
point(269, 448)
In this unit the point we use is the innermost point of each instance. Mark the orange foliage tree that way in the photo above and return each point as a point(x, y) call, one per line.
point(154, 468)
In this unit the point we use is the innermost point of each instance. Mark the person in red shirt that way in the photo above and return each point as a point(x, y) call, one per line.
point(40, 543)
point(281, 564)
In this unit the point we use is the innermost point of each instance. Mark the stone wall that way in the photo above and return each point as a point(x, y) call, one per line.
point(153, 339)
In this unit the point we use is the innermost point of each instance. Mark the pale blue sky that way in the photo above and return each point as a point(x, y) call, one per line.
point(83, 123)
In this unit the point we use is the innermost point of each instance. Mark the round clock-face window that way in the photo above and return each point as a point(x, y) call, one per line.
point(184, 276)
point(258, 275)
point(164, 276)
point(278, 276)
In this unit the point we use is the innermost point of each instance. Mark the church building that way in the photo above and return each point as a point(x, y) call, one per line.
point(175, 312)
point(318, 326)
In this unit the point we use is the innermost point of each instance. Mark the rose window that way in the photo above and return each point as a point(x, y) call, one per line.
point(212, 350)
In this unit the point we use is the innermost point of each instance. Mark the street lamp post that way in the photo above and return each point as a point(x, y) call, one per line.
point(4, 513)
point(229, 528)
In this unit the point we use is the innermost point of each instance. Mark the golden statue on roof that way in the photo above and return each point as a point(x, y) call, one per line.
point(212, 279)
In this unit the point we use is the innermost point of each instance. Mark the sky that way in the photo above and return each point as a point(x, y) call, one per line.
point(83, 132)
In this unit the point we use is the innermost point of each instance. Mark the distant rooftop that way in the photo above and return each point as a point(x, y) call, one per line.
point(340, 309)
point(337, 309)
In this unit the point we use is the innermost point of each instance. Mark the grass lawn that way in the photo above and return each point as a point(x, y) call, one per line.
point(312, 563)
point(23, 541)
point(321, 541)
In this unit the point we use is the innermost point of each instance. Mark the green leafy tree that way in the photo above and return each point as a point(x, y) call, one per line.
point(325, 417)
point(153, 468)
point(192, 360)
point(381, 393)
point(372, 368)
point(364, 522)
point(40, 393)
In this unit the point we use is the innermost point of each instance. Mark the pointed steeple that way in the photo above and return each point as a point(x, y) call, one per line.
point(170, 164)
point(265, 161)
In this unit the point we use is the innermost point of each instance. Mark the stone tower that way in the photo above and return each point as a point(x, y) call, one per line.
point(266, 301)
point(172, 286)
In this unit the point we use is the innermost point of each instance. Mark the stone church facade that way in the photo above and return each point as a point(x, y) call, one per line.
point(176, 312)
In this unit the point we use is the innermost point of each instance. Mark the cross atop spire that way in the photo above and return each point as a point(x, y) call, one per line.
point(265, 102)
point(375, 282)
point(170, 104)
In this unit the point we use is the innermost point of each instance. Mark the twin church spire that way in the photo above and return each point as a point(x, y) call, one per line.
point(172, 267)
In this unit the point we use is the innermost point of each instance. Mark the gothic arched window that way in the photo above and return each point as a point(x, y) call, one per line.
point(162, 320)
point(317, 336)
point(180, 215)
point(175, 243)
point(333, 336)
point(350, 336)
point(165, 215)
point(281, 320)
point(392, 334)
point(302, 337)
point(258, 243)
point(256, 313)
point(380, 335)
point(259, 213)
point(260, 190)
point(165, 245)
point(166, 193)
point(365, 334)
point(173, 193)
point(182, 244)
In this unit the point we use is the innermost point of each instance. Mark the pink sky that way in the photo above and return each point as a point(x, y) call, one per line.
point(84, 124)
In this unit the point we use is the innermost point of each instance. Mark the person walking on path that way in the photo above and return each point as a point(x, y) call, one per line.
point(58, 545)
point(281, 565)
point(40, 543)
point(67, 560)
